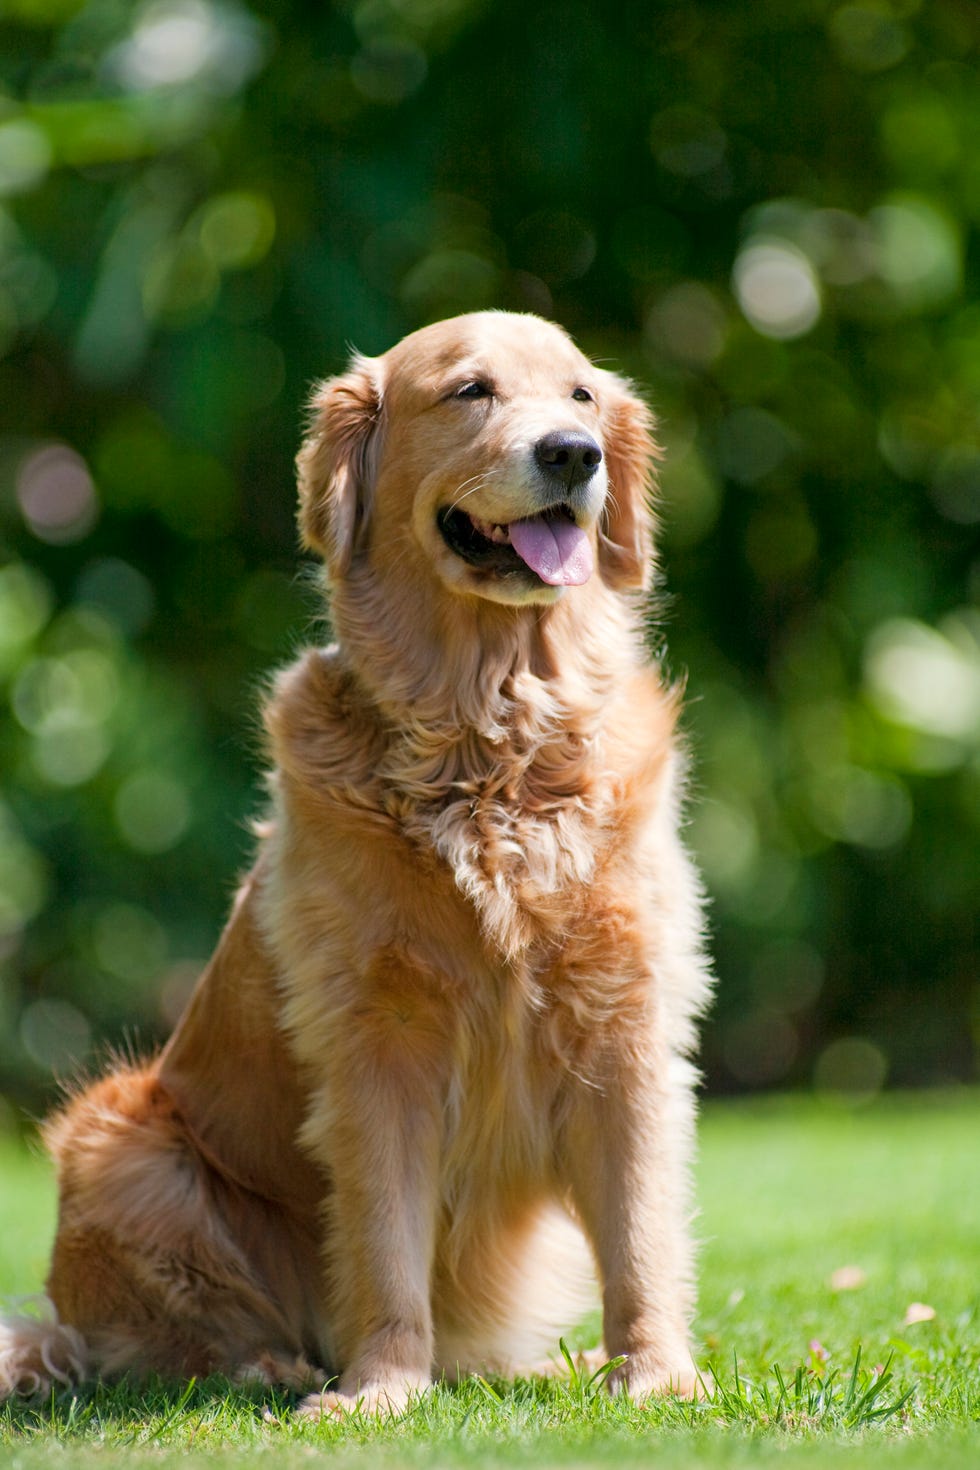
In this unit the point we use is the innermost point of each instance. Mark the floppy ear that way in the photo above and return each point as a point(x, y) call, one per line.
point(626, 528)
point(337, 463)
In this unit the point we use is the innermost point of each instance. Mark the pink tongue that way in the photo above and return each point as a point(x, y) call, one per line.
point(557, 549)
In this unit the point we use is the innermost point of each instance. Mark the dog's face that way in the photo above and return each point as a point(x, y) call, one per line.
point(491, 452)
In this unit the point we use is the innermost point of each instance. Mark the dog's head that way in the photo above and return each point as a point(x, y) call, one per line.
point(490, 448)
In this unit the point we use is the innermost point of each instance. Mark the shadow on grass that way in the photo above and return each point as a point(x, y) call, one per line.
point(145, 1407)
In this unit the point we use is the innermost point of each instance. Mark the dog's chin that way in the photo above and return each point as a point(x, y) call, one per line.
point(512, 594)
point(471, 563)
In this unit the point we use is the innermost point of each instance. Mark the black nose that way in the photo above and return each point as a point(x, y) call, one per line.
point(568, 455)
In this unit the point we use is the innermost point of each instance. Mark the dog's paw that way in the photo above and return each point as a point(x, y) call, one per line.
point(653, 1375)
point(269, 1370)
point(385, 1400)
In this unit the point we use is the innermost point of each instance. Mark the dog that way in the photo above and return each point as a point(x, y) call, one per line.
point(441, 1058)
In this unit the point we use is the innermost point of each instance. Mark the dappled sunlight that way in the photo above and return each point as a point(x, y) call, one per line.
point(777, 288)
point(928, 678)
point(25, 155)
point(852, 1069)
point(176, 42)
point(56, 494)
point(152, 811)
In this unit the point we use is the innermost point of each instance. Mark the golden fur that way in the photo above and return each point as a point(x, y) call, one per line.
point(444, 1038)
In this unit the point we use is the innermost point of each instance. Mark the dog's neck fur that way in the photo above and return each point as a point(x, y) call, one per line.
point(488, 751)
point(496, 688)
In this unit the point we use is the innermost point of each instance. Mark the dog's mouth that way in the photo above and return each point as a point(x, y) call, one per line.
point(551, 545)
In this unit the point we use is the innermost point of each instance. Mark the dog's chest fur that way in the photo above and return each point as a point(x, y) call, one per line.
point(517, 856)
point(520, 822)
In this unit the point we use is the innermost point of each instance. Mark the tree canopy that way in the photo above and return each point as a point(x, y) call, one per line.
point(764, 211)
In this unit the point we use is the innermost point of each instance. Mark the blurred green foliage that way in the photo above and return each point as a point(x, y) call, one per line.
point(765, 210)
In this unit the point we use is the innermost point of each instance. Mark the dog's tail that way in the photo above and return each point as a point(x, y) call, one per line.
point(38, 1353)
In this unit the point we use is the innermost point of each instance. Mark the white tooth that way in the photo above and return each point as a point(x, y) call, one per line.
point(492, 531)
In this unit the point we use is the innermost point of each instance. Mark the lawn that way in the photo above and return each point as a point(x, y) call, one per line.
point(839, 1324)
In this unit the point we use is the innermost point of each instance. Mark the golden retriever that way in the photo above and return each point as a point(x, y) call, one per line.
point(440, 1056)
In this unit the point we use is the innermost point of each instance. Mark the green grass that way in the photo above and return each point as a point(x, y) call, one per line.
point(798, 1373)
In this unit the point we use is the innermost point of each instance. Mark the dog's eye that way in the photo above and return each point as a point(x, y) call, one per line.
point(582, 395)
point(473, 390)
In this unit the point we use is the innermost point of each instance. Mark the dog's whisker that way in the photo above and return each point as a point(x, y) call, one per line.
point(462, 492)
point(458, 499)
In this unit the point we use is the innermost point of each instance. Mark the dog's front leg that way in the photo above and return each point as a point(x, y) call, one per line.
point(377, 1129)
point(625, 1153)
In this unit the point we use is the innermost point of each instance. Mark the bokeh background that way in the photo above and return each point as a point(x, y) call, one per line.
point(764, 210)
